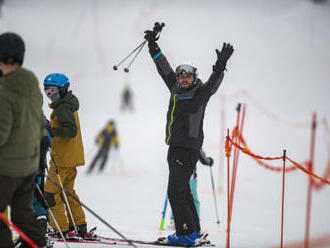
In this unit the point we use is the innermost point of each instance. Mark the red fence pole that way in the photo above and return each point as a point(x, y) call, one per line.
point(228, 189)
point(236, 156)
point(12, 225)
point(221, 166)
point(310, 182)
point(283, 190)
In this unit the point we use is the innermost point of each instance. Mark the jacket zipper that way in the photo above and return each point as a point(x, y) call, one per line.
point(169, 126)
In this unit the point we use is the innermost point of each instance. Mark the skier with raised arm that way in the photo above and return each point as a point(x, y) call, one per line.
point(184, 131)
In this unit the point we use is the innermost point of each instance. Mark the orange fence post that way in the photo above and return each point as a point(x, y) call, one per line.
point(283, 190)
point(221, 166)
point(228, 152)
point(310, 182)
point(236, 156)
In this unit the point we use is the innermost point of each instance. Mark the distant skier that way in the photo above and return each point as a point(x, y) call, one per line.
point(68, 153)
point(207, 161)
point(107, 139)
point(184, 131)
point(127, 101)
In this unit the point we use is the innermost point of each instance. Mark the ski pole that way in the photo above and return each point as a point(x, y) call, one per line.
point(88, 209)
point(115, 67)
point(157, 29)
point(52, 215)
point(137, 53)
point(19, 231)
point(64, 194)
point(214, 197)
point(163, 214)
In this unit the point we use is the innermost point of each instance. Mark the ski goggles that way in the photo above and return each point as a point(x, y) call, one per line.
point(185, 69)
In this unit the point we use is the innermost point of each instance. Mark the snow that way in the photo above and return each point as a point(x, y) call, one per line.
point(281, 59)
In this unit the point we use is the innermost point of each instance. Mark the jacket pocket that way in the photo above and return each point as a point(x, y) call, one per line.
point(195, 122)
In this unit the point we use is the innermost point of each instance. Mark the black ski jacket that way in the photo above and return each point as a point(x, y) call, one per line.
point(185, 115)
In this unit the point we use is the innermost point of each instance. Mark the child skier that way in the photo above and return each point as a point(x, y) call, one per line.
point(67, 154)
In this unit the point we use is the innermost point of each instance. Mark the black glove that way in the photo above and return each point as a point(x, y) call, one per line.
point(206, 161)
point(150, 36)
point(223, 56)
point(210, 161)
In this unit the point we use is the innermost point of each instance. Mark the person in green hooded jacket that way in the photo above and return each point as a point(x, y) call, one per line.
point(21, 123)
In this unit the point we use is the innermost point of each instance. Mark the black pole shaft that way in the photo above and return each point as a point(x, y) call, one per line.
point(51, 214)
point(214, 197)
point(133, 51)
point(89, 210)
point(137, 53)
point(55, 166)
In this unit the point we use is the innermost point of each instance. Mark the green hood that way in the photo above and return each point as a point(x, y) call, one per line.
point(69, 99)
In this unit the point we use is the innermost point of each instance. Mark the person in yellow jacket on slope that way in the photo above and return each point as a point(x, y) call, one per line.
point(67, 154)
point(106, 140)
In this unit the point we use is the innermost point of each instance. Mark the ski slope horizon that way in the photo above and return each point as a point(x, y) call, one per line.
point(281, 61)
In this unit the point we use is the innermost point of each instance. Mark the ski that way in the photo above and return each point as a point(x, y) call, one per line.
point(85, 241)
point(202, 241)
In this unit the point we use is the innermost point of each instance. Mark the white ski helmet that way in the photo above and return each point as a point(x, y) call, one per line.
point(186, 69)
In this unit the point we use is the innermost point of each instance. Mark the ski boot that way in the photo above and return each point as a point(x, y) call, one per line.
point(186, 239)
point(42, 220)
point(20, 243)
point(83, 233)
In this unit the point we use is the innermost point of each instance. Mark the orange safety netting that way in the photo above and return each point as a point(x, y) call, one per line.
point(326, 175)
point(257, 158)
point(297, 165)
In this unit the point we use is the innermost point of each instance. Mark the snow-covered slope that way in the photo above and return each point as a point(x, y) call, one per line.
point(281, 59)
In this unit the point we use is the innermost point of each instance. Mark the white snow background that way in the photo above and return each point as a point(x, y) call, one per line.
point(281, 59)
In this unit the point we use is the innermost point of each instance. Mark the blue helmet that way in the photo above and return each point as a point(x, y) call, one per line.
point(59, 80)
